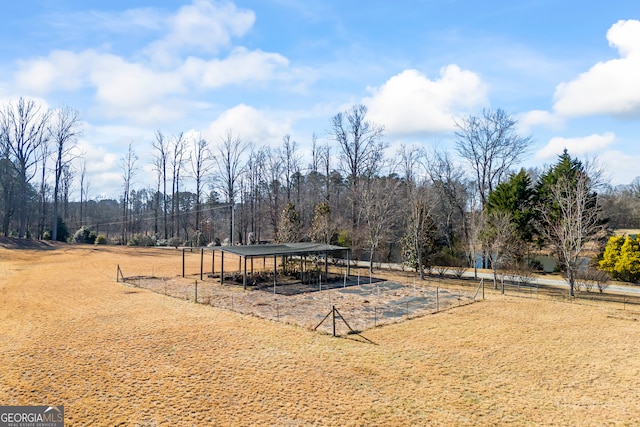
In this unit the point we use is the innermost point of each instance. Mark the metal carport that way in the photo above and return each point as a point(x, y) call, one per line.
point(246, 252)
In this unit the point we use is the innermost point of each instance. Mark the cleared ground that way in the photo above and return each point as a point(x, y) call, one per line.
point(116, 355)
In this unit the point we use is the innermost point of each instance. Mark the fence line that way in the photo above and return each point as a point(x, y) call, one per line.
point(365, 305)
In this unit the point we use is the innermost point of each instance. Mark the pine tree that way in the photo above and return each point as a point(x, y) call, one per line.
point(289, 226)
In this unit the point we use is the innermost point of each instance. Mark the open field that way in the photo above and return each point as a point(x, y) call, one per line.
point(117, 355)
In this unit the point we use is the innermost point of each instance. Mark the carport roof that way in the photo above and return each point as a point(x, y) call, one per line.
point(304, 248)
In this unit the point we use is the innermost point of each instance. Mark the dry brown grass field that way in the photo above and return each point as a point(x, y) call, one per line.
point(116, 355)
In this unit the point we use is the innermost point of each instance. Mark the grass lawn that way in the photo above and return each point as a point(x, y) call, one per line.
point(116, 355)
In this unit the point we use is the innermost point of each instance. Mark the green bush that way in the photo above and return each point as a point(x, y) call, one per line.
point(621, 258)
point(344, 239)
point(199, 239)
point(84, 235)
point(141, 240)
point(101, 239)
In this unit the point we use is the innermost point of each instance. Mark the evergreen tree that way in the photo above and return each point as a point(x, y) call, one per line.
point(516, 197)
point(569, 213)
point(322, 229)
point(628, 265)
point(289, 226)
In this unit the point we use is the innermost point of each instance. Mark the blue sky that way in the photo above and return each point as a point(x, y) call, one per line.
point(570, 71)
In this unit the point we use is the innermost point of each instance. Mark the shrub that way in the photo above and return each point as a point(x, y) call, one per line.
point(84, 235)
point(175, 242)
point(344, 239)
point(101, 239)
point(621, 258)
point(141, 240)
point(199, 239)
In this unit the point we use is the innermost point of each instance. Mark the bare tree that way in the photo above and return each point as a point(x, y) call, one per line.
point(44, 154)
point(324, 158)
point(177, 163)
point(419, 233)
point(9, 184)
point(315, 154)
point(498, 237)
point(64, 131)
point(160, 159)
point(84, 190)
point(67, 179)
point(379, 212)
point(452, 201)
point(361, 149)
point(571, 220)
point(127, 165)
point(273, 170)
point(255, 169)
point(200, 165)
point(491, 145)
point(291, 163)
point(229, 165)
point(24, 128)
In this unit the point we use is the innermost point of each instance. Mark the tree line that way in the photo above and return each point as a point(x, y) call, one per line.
point(415, 206)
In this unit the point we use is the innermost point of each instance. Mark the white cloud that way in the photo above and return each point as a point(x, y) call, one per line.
point(98, 157)
point(610, 87)
point(126, 88)
point(249, 124)
point(61, 70)
point(623, 167)
point(576, 146)
point(543, 118)
point(203, 26)
point(410, 102)
point(240, 66)
point(155, 92)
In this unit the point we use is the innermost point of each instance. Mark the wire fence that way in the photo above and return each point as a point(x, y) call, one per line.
point(584, 295)
point(362, 304)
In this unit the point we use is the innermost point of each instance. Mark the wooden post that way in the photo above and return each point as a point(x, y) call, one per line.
point(201, 262)
point(333, 311)
point(244, 275)
point(118, 274)
point(196, 296)
point(213, 259)
point(437, 298)
point(221, 267)
point(182, 262)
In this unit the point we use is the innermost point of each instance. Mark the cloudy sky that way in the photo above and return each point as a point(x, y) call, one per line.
point(570, 71)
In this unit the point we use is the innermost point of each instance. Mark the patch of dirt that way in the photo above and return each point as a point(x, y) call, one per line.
point(361, 306)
